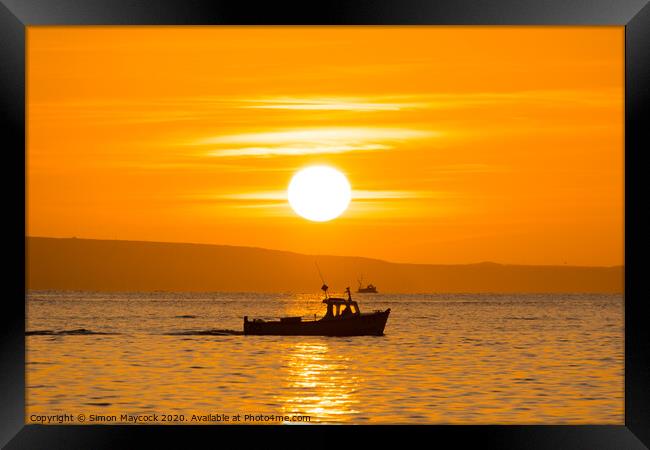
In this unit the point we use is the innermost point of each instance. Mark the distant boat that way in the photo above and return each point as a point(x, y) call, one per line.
point(348, 322)
point(369, 289)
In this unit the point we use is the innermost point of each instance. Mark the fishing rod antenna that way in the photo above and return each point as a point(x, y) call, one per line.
point(324, 287)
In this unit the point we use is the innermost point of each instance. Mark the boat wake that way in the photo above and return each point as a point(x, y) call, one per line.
point(79, 331)
point(522, 318)
point(205, 333)
point(83, 331)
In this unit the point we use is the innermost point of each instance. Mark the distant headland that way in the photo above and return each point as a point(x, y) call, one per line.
point(113, 265)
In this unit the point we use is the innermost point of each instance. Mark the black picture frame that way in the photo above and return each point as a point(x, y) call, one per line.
point(16, 15)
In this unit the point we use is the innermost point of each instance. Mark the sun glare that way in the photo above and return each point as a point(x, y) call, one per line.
point(319, 193)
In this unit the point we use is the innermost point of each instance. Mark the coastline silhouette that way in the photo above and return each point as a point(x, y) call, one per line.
point(105, 265)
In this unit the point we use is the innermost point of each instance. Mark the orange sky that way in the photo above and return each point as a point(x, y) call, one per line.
point(462, 144)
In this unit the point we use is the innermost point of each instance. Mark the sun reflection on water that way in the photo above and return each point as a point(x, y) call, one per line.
point(320, 384)
point(493, 359)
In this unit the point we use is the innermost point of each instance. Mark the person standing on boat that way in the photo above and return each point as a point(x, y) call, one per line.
point(330, 312)
point(347, 311)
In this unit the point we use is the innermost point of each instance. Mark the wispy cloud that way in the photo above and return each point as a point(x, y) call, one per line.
point(594, 98)
point(390, 195)
point(281, 195)
point(334, 134)
point(249, 196)
point(275, 202)
point(309, 141)
point(292, 151)
point(327, 104)
point(188, 109)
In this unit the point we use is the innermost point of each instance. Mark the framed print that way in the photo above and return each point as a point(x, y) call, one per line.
point(420, 218)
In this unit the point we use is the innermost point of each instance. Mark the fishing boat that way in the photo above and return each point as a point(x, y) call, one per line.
point(342, 318)
point(369, 289)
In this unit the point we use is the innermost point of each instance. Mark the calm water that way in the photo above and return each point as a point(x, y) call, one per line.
point(467, 359)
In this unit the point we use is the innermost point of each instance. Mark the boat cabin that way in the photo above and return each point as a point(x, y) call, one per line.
point(334, 304)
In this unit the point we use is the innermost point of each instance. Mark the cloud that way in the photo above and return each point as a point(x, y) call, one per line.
point(281, 195)
point(309, 141)
point(292, 151)
point(316, 135)
point(326, 104)
point(390, 195)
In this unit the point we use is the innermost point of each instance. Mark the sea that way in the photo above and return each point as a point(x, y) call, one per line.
point(181, 358)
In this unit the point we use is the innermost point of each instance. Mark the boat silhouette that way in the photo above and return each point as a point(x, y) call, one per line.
point(369, 289)
point(348, 321)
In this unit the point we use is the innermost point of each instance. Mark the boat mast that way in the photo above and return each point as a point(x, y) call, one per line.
point(324, 287)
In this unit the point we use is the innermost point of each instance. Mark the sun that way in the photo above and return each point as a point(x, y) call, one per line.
point(319, 193)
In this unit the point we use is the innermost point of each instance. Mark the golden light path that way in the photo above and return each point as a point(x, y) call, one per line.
point(319, 193)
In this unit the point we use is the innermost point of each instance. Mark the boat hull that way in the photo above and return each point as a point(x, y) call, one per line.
point(362, 325)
